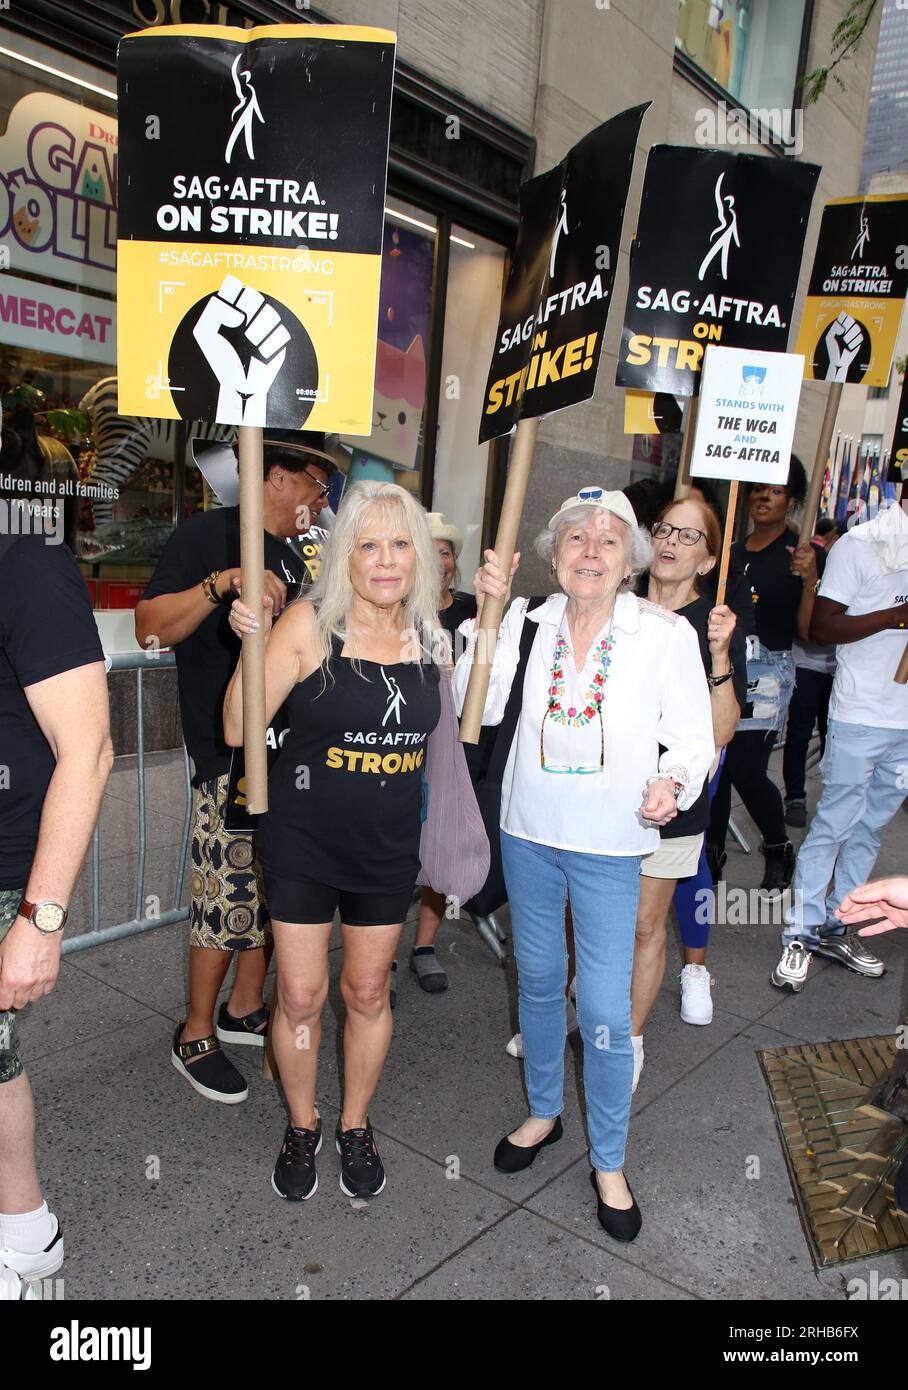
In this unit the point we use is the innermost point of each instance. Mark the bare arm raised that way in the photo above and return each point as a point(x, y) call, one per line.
point(293, 652)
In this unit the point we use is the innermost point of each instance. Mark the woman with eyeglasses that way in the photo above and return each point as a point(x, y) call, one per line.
point(687, 539)
point(606, 681)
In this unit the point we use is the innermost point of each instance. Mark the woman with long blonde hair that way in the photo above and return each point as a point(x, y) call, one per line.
point(355, 663)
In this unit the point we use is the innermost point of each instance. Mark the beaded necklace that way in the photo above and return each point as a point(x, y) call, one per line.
point(578, 716)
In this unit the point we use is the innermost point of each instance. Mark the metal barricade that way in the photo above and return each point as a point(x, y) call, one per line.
point(139, 662)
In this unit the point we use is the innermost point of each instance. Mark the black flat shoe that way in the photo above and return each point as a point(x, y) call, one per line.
point(511, 1158)
point(620, 1225)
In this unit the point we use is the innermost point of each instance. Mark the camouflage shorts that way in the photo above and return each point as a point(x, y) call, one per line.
point(10, 1062)
point(226, 894)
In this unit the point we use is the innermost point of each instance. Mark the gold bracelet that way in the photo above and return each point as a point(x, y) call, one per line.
point(209, 589)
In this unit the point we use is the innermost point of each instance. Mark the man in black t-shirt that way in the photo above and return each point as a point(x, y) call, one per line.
point(186, 606)
point(55, 758)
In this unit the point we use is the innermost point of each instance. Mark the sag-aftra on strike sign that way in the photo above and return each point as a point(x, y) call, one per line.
point(252, 185)
point(715, 260)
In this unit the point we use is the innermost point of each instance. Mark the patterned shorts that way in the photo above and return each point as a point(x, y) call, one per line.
point(227, 896)
point(10, 1061)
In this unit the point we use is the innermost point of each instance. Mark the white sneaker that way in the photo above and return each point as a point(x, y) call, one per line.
point(515, 1046)
point(696, 998)
point(791, 971)
point(38, 1266)
point(638, 1059)
point(12, 1288)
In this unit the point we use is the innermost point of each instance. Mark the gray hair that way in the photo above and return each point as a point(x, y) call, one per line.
point(641, 545)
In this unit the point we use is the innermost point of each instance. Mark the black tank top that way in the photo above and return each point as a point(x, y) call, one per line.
point(345, 791)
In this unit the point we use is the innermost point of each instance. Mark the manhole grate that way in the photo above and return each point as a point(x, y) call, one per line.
point(842, 1151)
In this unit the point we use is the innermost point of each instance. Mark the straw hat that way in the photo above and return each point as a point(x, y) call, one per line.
point(445, 531)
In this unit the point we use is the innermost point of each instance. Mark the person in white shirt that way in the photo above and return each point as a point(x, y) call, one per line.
point(862, 606)
point(609, 679)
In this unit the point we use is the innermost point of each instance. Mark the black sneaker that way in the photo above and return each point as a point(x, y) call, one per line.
point(715, 862)
point(214, 1076)
point(796, 813)
point(780, 862)
point(294, 1175)
point(362, 1174)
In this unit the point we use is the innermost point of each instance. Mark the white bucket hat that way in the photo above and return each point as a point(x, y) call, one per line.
point(614, 502)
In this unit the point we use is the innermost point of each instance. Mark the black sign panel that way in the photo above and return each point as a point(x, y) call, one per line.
point(715, 260)
point(558, 292)
point(261, 143)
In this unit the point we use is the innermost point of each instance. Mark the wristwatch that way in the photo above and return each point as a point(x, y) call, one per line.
point(46, 917)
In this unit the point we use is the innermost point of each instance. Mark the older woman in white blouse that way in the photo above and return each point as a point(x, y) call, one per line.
point(613, 738)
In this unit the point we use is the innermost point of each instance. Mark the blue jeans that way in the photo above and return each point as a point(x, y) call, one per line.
point(603, 892)
point(770, 683)
point(864, 770)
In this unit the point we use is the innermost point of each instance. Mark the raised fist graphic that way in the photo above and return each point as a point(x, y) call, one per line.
point(843, 340)
point(243, 393)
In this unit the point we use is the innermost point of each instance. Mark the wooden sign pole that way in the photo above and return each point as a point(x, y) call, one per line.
point(901, 675)
point(492, 608)
point(727, 539)
point(815, 487)
point(682, 482)
point(252, 566)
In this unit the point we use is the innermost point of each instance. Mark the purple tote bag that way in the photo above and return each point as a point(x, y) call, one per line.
point(453, 848)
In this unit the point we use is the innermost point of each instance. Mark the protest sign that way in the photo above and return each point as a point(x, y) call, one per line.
point(856, 290)
point(559, 288)
point(747, 415)
point(748, 407)
point(253, 171)
point(551, 328)
point(715, 260)
point(253, 165)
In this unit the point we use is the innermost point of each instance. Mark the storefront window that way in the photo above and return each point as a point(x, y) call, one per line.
point(750, 47)
point(57, 290)
point(395, 450)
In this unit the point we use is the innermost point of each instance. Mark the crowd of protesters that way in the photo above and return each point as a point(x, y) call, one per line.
point(624, 708)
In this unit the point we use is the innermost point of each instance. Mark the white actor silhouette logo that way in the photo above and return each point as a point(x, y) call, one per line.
point(857, 253)
point(243, 393)
point(245, 111)
point(726, 231)
point(560, 227)
point(395, 697)
point(843, 340)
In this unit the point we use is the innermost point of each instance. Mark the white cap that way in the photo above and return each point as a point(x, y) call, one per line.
point(614, 502)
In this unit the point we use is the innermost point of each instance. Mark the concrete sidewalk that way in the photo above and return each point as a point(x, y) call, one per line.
point(164, 1195)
